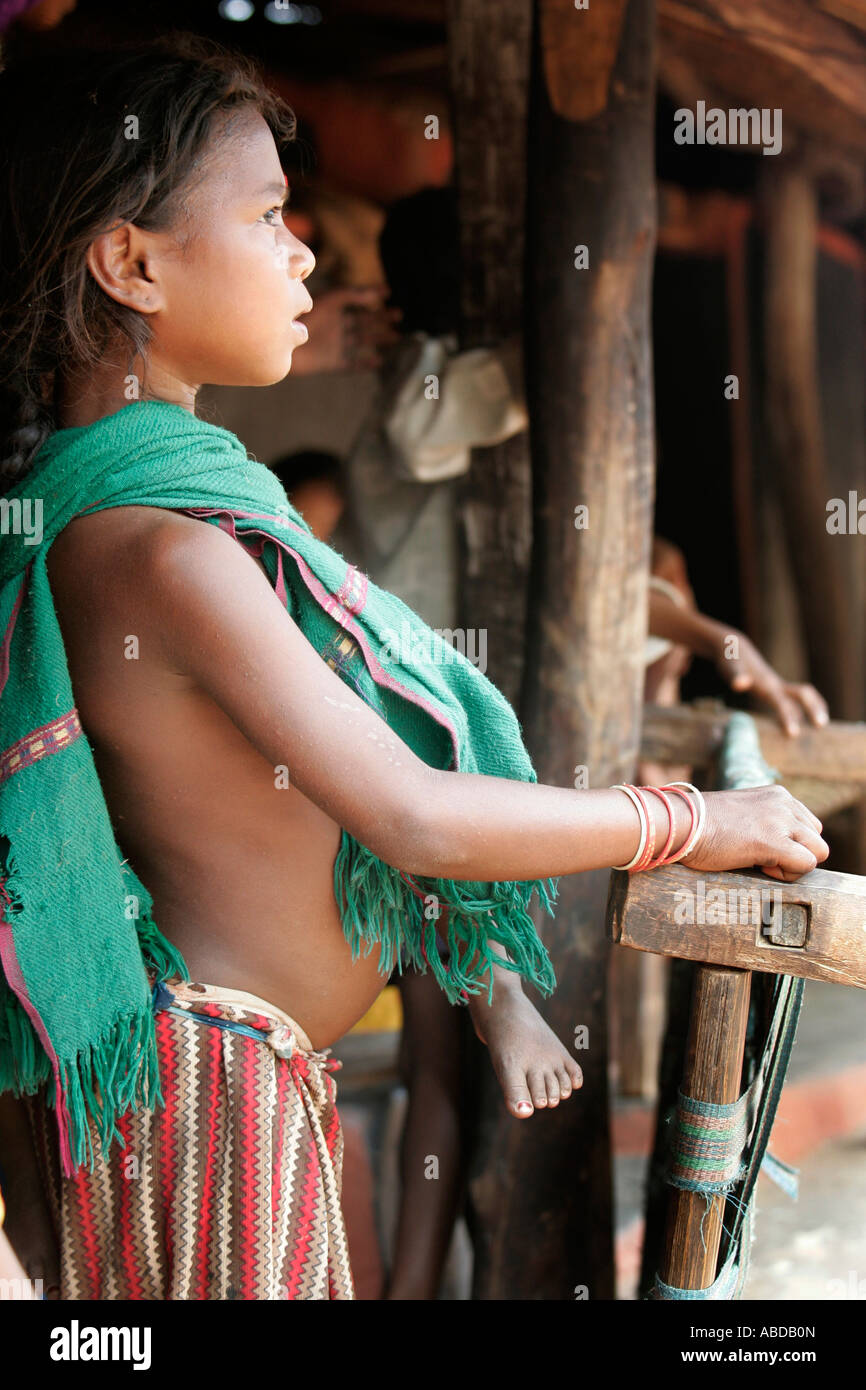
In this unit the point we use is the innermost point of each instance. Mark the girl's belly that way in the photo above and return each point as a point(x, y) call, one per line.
point(242, 880)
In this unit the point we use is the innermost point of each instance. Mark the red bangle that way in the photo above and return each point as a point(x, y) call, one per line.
point(662, 858)
point(687, 842)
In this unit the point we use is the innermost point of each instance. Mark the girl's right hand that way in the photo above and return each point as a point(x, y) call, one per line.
point(763, 827)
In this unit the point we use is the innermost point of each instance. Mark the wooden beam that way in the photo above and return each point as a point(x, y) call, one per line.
point(774, 53)
point(812, 928)
point(713, 1072)
point(579, 48)
point(544, 1190)
point(692, 734)
point(826, 799)
point(412, 12)
point(795, 444)
point(488, 44)
point(851, 11)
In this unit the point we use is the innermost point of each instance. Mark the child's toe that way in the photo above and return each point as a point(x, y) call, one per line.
point(537, 1089)
point(565, 1086)
point(554, 1092)
point(516, 1093)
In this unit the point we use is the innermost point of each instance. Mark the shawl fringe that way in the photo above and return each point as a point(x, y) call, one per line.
point(396, 909)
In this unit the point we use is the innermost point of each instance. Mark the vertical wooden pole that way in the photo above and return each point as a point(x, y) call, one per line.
point(542, 1192)
point(671, 1070)
point(488, 45)
point(713, 1072)
point(488, 48)
point(795, 435)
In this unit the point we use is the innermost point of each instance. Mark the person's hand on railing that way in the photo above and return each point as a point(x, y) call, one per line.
point(738, 661)
point(743, 667)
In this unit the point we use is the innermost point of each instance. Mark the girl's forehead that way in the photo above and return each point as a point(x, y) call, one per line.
point(246, 160)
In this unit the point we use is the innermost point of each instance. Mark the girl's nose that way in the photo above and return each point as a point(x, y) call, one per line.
point(302, 260)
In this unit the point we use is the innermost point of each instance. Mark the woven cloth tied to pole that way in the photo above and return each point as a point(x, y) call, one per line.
point(721, 1148)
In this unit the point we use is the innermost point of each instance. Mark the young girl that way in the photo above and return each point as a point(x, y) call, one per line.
point(222, 785)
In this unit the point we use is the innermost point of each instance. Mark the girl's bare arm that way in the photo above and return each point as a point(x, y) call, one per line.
point(223, 626)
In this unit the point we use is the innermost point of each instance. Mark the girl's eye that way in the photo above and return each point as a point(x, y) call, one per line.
point(278, 210)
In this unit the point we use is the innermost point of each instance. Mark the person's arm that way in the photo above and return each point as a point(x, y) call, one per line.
point(738, 661)
point(223, 625)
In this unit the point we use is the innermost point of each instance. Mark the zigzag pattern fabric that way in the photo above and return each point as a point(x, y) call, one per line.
point(233, 1190)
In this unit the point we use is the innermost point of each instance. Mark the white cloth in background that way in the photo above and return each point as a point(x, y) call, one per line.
point(435, 404)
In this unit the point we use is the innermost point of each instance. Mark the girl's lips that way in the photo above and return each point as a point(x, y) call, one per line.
point(302, 329)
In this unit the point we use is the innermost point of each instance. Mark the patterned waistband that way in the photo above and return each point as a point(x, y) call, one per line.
point(236, 1011)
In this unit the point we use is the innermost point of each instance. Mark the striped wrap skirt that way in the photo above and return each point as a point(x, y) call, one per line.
point(233, 1190)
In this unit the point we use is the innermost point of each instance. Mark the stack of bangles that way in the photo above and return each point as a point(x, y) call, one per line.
point(646, 857)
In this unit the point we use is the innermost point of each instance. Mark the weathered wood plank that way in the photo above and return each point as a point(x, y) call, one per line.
point(814, 928)
point(691, 733)
point(774, 53)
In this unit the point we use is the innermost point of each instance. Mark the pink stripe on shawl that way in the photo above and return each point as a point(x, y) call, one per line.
point(10, 627)
point(15, 979)
point(332, 606)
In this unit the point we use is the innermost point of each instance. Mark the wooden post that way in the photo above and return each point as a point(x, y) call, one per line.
point(714, 1066)
point(488, 51)
point(542, 1188)
point(488, 47)
point(795, 434)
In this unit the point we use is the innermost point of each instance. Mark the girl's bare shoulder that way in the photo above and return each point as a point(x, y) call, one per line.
point(113, 543)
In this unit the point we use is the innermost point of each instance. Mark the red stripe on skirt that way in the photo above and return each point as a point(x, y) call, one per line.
point(125, 1217)
point(332, 1129)
point(284, 1081)
point(249, 1167)
point(307, 1204)
point(168, 1065)
point(214, 1065)
point(84, 1199)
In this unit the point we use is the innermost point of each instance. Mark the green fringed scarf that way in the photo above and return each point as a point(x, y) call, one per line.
point(76, 925)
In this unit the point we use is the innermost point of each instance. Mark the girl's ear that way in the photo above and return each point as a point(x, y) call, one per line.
point(118, 261)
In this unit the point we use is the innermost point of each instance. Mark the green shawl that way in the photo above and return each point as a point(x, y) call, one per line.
point(76, 925)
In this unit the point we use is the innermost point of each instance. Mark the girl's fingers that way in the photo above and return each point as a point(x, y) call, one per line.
point(789, 861)
point(804, 815)
point(813, 842)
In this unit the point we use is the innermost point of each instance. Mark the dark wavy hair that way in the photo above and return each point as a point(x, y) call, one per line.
point(68, 173)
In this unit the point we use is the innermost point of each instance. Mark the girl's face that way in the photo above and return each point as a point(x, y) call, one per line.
point(226, 288)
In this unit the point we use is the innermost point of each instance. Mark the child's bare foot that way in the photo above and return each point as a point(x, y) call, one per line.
point(534, 1070)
